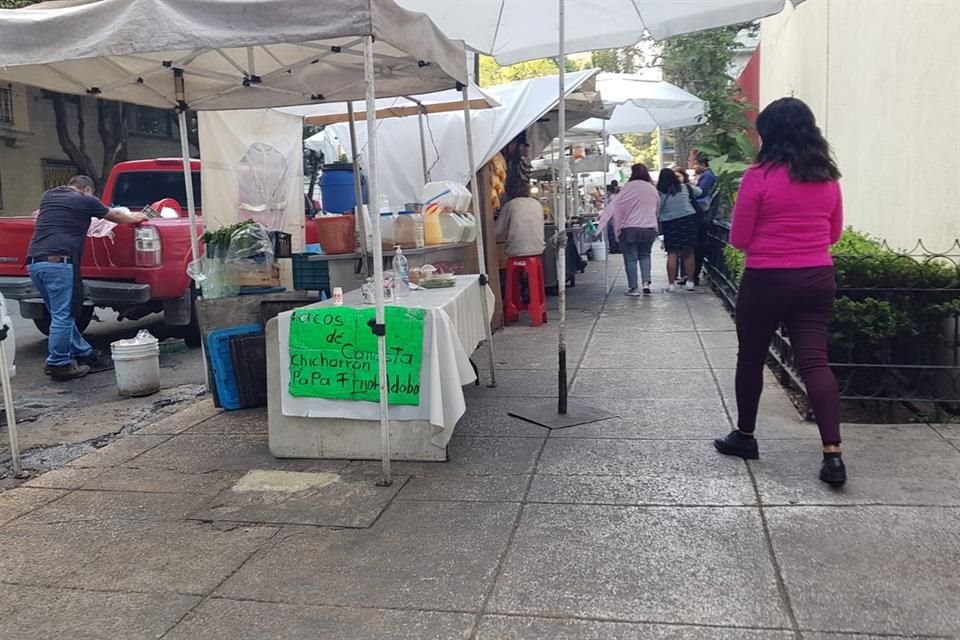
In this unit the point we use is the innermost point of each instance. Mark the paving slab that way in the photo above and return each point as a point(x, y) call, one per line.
point(655, 419)
point(159, 481)
point(948, 431)
point(490, 488)
point(642, 490)
point(643, 384)
point(471, 456)
point(119, 451)
point(42, 554)
point(65, 478)
point(517, 383)
point(183, 420)
point(81, 506)
point(425, 555)
point(644, 320)
point(491, 417)
point(249, 421)
point(678, 350)
point(35, 613)
point(520, 628)
point(15, 503)
point(199, 454)
point(220, 618)
point(669, 565)
point(292, 497)
point(181, 557)
point(890, 570)
point(885, 465)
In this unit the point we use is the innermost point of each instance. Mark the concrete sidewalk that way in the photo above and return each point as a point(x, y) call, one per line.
point(629, 528)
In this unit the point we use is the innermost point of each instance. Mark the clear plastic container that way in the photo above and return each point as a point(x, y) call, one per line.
point(405, 231)
point(387, 231)
point(469, 227)
point(451, 229)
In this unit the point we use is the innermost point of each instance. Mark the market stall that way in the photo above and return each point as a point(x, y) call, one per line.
point(317, 414)
point(234, 54)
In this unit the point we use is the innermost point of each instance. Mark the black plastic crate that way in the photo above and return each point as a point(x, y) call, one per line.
point(249, 356)
point(270, 309)
point(310, 275)
point(282, 244)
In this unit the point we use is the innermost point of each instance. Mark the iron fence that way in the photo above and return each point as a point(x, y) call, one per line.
point(896, 331)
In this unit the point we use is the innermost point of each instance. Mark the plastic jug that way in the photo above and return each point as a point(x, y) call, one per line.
point(444, 193)
point(387, 231)
point(469, 227)
point(451, 230)
point(405, 231)
point(432, 231)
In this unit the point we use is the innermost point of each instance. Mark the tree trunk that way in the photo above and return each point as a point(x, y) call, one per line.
point(112, 127)
point(75, 150)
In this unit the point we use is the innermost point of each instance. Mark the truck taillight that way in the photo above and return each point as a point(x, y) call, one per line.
point(147, 247)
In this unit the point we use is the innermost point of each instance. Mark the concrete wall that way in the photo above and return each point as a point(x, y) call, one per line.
point(33, 139)
point(881, 75)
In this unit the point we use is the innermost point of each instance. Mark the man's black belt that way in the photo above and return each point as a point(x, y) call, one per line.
point(54, 259)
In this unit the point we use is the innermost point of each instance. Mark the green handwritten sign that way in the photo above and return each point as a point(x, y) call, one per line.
point(333, 354)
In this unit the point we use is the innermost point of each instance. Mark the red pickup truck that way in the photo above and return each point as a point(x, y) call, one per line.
point(140, 270)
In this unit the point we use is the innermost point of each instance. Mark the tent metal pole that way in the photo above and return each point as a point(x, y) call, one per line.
point(603, 230)
point(361, 217)
point(188, 179)
point(379, 327)
point(8, 406)
point(659, 149)
point(423, 143)
point(562, 222)
point(481, 258)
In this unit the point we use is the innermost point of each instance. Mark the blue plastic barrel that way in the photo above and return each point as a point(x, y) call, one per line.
point(336, 188)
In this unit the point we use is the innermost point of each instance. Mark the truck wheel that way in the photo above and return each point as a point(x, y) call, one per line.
point(191, 332)
point(43, 324)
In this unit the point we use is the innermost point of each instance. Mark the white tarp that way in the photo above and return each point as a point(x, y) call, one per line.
point(252, 169)
point(522, 104)
point(639, 105)
point(517, 30)
point(449, 100)
point(233, 54)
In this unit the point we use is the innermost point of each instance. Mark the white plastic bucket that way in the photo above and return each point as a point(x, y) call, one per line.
point(599, 251)
point(137, 367)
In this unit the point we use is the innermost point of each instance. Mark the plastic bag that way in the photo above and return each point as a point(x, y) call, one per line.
point(250, 241)
point(143, 337)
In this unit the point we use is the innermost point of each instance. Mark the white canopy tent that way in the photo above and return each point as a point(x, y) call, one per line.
point(503, 29)
point(521, 105)
point(641, 106)
point(236, 54)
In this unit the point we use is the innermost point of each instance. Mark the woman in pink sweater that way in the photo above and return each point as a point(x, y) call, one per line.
point(789, 212)
point(634, 215)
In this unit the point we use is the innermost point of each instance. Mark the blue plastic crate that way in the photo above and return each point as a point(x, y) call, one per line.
point(221, 362)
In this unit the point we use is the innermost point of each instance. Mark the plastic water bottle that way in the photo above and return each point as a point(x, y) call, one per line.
point(401, 268)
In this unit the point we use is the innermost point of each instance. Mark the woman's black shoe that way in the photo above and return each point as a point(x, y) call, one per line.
point(833, 471)
point(737, 444)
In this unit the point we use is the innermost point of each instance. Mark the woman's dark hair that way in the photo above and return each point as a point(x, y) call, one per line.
point(639, 171)
point(681, 175)
point(518, 188)
point(668, 182)
point(790, 137)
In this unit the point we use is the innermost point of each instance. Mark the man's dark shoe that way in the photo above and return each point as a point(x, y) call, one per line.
point(68, 372)
point(833, 471)
point(97, 361)
point(739, 445)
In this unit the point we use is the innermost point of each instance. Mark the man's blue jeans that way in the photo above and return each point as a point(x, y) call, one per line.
point(54, 281)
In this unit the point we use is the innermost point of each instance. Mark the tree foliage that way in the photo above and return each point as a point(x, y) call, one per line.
point(699, 63)
point(491, 73)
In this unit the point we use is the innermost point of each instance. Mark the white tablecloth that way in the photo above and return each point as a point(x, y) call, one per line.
point(453, 327)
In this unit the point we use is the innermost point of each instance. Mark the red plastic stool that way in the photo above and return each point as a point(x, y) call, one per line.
point(514, 304)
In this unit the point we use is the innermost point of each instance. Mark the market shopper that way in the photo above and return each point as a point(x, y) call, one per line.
point(789, 212)
point(678, 221)
point(633, 215)
point(706, 179)
point(612, 190)
point(53, 260)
